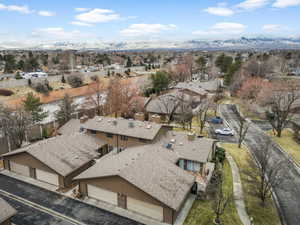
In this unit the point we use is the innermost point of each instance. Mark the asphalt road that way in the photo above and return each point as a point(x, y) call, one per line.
point(69, 207)
point(30, 216)
point(288, 192)
point(219, 137)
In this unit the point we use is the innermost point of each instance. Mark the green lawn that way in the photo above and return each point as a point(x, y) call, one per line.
point(288, 143)
point(261, 215)
point(202, 211)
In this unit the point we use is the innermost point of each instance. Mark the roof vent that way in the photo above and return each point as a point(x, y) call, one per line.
point(169, 146)
point(99, 119)
point(115, 122)
point(149, 126)
point(181, 143)
point(131, 124)
point(173, 140)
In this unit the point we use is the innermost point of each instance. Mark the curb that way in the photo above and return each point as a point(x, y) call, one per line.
point(274, 196)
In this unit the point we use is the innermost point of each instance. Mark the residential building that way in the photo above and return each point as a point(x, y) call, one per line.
point(152, 180)
point(121, 133)
point(56, 160)
point(6, 212)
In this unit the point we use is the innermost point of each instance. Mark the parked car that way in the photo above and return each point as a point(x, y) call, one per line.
point(224, 131)
point(217, 120)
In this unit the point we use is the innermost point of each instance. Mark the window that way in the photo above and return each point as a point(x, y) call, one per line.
point(124, 138)
point(93, 132)
point(109, 135)
point(143, 140)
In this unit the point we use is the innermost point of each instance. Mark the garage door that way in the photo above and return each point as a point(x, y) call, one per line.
point(19, 168)
point(47, 177)
point(147, 209)
point(102, 194)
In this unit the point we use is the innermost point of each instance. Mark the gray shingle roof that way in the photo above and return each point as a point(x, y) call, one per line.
point(72, 126)
point(152, 170)
point(144, 130)
point(6, 211)
point(64, 154)
point(192, 86)
point(197, 150)
point(167, 103)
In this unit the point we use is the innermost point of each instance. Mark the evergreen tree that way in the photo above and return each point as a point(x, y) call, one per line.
point(66, 110)
point(63, 80)
point(160, 81)
point(129, 62)
point(33, 106)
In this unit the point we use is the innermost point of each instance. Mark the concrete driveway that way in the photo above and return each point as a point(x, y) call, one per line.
point(76, 210)
point(288, 192)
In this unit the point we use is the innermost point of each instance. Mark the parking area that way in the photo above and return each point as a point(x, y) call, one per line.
point(68, 207)
point(219, 137)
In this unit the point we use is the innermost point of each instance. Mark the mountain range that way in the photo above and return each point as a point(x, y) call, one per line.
point(243, 43)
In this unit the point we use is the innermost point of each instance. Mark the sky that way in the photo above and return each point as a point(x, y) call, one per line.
point(34, 21)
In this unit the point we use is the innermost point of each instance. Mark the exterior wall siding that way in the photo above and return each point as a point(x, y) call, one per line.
point(121, 186)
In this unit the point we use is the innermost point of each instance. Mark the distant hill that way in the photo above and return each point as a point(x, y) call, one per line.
point(242, 43)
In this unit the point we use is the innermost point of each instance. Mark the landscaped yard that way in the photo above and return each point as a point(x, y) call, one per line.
point(202, 211)
point(261, 215)
point(288, 143)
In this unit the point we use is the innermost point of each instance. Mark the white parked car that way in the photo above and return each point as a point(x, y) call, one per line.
point(224, 131)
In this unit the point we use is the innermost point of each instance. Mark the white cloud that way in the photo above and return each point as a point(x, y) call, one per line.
point(98, 16)
point(16, 8)
point(222, 29)
point(252, 4)
point(271, 28)
point(81, 9)
point(57, 33)
point(219, 11)
point(46, 13)
point(286, 3)
point(146, 29)
point(78, 23)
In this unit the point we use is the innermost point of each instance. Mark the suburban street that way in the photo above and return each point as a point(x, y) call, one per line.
point(56, 209)
point(288, 193)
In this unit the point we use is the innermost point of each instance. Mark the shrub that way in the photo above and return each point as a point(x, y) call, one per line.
point(75, 81)
point(29, 82)
point(18, 76)
point(94, 78)
point(5, 92)
point(43, 88)
point(63, 80)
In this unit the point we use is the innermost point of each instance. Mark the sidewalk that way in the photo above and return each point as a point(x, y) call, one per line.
point(238, 192)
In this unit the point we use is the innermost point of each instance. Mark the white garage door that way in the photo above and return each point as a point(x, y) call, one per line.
point(147, 209)
point(47, 177)
point(19, 168)
point(102, 194)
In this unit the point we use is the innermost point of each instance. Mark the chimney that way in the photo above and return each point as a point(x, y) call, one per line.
point(115, 122)
point(191, 136)
point(139, 116)
point(130, 124)
point(155, 118)
point(83, 119)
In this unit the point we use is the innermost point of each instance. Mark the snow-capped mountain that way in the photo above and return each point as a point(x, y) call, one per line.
point(230, 44)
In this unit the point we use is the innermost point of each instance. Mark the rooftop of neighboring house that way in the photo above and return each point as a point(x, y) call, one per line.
point(121, 126)
point(167, 103)
point(6, 211)
point(192, 86)
point(72, 126)
point(188, 145)
point(153, 170)
point(64, 154)
point(200, 86)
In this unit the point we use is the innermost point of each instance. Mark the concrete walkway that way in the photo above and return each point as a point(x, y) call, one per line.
point(238, 191)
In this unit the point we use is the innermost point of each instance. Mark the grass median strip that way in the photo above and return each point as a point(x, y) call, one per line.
point(287, 143)
point(261, 215)
point(202, 211)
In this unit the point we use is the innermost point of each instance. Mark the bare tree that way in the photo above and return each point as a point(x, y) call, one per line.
point(97, 96)
point(183, 110)
point(167, 105)
point(201, 113)
point(280, 101)
point(243, 127)
point(265, 173)
point(14, 124)
point(221, 199)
